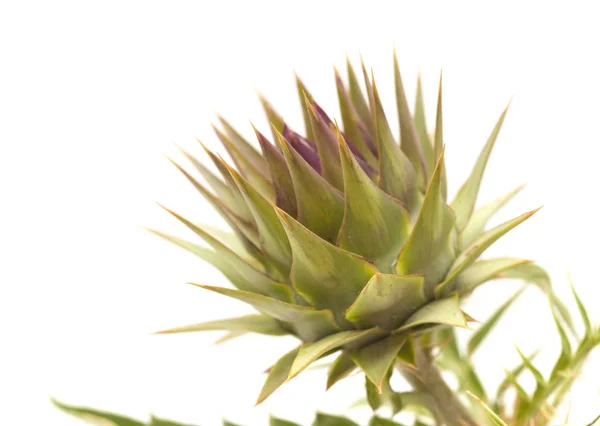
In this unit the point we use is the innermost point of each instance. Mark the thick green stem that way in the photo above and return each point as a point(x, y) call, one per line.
point(427, 378)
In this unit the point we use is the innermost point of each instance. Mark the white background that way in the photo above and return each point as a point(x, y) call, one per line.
point(92, 95)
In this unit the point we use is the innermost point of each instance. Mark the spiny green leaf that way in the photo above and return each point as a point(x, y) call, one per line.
point(320, 205)
point(537, 375)
point(238, 220)
point(97, 417)
point(258, 177)
point(535, 274)
point(310, 352)
point(327, 147)
point(278, 375)
point(564, 359)
point(409, 140)
point(582, 311)
point(438, 142)
point(244, 147)
point(396, 173)
point(464, 202)
point(387, 301)
point(227, 423)
point(380, 421)
point(472, 253)
point(275, 120)
point(358, 100)
point(493, 416)
point(274, 421)
point(330, 420)
point(214, 258)
point(482, 271)
point(261, 324)
point(285, 196)
point(254, 279)
point(303, 93)
point(487, 326)
point(340, 369)
point(429, 250)
point(309, 323)
point(239, 207)
point(155, 421)
point(476, 224)
point(442, 311)
point(514, 373)
point(273, 239)
point(377, 359)
point(226, 193)
point(375, 225)
point(421, 127)
point(350, 121)
point(325, 275)
point(374, 397)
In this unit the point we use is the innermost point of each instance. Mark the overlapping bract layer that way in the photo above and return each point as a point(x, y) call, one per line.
point(344, 237)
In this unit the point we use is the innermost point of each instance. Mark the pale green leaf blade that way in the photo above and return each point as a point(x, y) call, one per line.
point(340, 369)
point(275, 120)
point(582, 311)
point(438, 142)
point(535, 274)
point(261, 324)
point(481, 244)
point(476, 224)
point(429, 250)
point(375, 225)
point(374, 397)
point(257, 177)
point(156, 421)
point(285, 196)
point(421, 127)
point(537, 375)
point(97, 417)
point(481, 333)
point(303, 94)
point(351, 121)
point(226, 193)
point(513, 374)
point(484, 270)
point(274, 421)
point(310, 352)
point(380, 421)
point(396, 173)
point(564, 359)
point(278, 375)
point(464, 202)
point(255, 279)
point(214, 258)
point(359, 101)
point(331, 420)
point(377, 359)
point(409, 140)
point(240, 220)
point(325, 275)
point(439, 312)
point(387, 301)
point(493, 416)
point(245, 148)
point(327, 147)
point(309, 323)
point(272, 235)
point(320, 205)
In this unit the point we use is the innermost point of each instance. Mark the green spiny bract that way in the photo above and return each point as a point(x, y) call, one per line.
point(344, 237)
